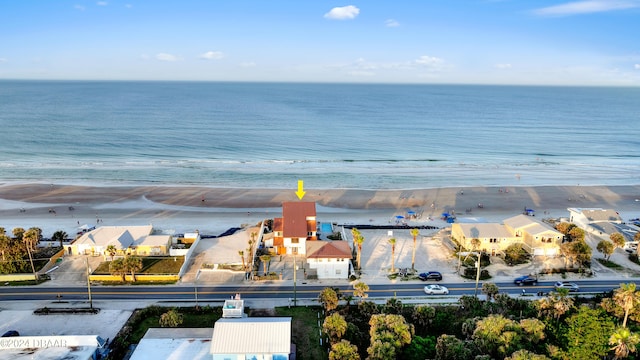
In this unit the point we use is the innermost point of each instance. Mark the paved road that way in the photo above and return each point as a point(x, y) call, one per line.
point(282, 292)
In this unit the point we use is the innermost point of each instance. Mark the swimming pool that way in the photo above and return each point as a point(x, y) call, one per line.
point(326, 228)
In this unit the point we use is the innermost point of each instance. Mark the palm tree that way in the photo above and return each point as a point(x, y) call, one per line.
point(624, 342)
point(556, 304)
point(117, 268)
point(132, 265)
point(627, 298)
point(358, 239)
point(244, 263)
point(265, 260)
point(111, 250)
point(30, 238)
point(18, 232)
point(360, 290)
point(414, 233)
point(5, 245)
point(392, 241)
point(59, 236)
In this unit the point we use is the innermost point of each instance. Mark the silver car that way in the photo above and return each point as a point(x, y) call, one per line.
point(572, 287)
point(436, 289)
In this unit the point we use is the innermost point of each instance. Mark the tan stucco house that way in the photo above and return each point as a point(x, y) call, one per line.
point(537, 237)
point(128, 240)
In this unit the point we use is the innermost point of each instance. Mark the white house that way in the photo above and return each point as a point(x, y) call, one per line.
point(329, 259)
point(267, 338)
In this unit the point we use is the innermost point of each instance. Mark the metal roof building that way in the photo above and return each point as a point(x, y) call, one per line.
point(252, 337)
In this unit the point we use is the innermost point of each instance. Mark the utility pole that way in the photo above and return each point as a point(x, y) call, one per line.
point(295, 270)
point(196, 288)
point(89, 282)
point(477, 274)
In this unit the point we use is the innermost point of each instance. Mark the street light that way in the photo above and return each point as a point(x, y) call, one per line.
point(295, 268)
point(89, 282)
point(195, 287)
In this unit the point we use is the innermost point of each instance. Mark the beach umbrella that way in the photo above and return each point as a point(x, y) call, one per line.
point(411, 212)
point(399, 217)
point(445, 214)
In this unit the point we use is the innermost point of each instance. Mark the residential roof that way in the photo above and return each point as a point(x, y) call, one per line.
point(120, 236)
point(252, 336)
point(295, 215)
point(607, 228)
point(174, 343)
point(484, 230)
point(530, 225)
point(598, 214)
point(277, 224)
point(153, 240)
point(50, 347)
point(337, 249)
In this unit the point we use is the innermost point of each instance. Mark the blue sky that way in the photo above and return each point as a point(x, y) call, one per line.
point(594, 42)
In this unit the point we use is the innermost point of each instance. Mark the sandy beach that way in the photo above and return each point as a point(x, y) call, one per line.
point(213, 210)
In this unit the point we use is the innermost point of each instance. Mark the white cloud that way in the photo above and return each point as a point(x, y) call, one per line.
point(79, 7)
point(167, 57)
point(429, 61)
point(342, 13)
point(102, 3)
point(391, 23)
point(212, 55)
point(4, 60)
point(128, 6)
point(586, 7)
point(636, 66)
point(502, 66)
point(248, 64)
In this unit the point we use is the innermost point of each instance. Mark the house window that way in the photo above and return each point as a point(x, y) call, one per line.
point(338, 271)
point(295, 240)
point(493, 241)
point(310, 233)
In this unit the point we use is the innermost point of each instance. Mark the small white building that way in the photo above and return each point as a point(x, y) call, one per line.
point(266, 338)
point(329, 259)
point(82, 347)
point(585, 217)
point(173, 343)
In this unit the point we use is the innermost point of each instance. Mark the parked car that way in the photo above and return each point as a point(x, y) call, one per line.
point(430, 275)
point(525, 280)
point(11, 333)
point(436, 289)
point(567, 285)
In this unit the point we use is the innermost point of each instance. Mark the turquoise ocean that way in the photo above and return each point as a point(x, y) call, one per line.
point(269, 135)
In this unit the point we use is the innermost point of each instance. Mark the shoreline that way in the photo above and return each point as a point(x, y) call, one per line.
point(186, 208)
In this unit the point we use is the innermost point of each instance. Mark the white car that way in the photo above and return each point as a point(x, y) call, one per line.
point(567, 285)
point(436, 289)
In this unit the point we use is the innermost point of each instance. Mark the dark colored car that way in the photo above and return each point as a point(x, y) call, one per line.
point(430, 275)
point(525, 280)
point(11, 333)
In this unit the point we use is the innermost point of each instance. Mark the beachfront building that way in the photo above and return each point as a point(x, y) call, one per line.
point(536, 237)
point(602, 223)
point(296, 226)
point(235, 336)
point(83, 347)
point(329, 259)
point(260, 338)
point(493, 238)
point(585, 217)
point(127, 240)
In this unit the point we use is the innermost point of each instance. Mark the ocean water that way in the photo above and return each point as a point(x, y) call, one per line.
point(269, 135)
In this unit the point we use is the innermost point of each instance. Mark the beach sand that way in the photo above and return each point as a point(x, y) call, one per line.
point(213, 210)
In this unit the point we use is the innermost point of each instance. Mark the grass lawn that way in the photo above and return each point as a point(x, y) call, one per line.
point(609, 264)
point(304, 327)
point(156, 265)
point(305, 332)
